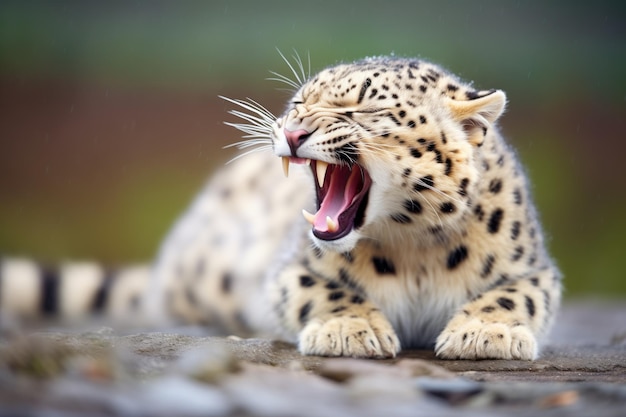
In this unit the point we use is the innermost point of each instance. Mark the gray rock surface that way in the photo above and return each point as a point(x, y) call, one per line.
point(581, 372)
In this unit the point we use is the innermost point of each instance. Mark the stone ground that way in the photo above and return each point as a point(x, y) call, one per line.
point(582, 371)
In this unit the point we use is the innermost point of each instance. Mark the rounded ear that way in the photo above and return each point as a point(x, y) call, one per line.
point(477, 114)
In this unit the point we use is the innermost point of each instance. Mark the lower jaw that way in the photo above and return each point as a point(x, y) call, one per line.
point(329, 237)
point(338, 245)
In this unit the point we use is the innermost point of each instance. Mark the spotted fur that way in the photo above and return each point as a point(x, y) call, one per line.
point(440, 248)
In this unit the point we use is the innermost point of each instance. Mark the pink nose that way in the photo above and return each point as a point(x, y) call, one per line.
point(295, 138)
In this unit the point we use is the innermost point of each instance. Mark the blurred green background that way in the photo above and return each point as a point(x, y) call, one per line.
point(110, 120)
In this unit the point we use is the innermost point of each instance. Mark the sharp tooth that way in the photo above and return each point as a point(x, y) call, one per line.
point(308, 216)
point(307, 162)
point(286, 166)
point(332, 226)
point(321, 172)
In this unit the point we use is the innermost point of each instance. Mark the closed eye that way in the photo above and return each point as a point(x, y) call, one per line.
point(351, 113)
point(369, 111)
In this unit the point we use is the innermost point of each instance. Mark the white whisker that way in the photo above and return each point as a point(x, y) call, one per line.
point(251, 129)
point(257, 131)
point(252, 106)
point(248, 143)
point(281, 78)
point(298, 60)
point(438, 191)
point(295, 73)
point(259, 107)
point(300, 75)
point(251, 118)
point(434, 209)
point(375, 147)
point(259, 149)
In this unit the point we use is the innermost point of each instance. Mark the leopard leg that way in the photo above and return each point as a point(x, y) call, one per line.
point(506, 322)
point(330, 318)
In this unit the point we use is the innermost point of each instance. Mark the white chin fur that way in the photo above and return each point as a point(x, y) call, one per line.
point(341, 245)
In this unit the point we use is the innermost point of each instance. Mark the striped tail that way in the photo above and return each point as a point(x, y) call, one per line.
point(75, 290)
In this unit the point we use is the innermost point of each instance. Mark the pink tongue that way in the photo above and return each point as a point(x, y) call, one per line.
point(343, 187)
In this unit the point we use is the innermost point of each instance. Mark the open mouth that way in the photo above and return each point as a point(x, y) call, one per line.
point(342, 193)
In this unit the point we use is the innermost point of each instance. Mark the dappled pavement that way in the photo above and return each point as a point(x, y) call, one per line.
point(582, 372)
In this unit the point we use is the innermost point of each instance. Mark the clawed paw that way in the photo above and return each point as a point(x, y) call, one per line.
point(473, 339)
point(360, 337)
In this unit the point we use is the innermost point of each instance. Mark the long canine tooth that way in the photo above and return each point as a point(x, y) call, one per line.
point(286, 166)
point(308, 216)
point(320, 170)
point(332, 226)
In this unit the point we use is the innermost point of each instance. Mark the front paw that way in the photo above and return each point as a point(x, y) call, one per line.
point(369, 336)
point(470, 338)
